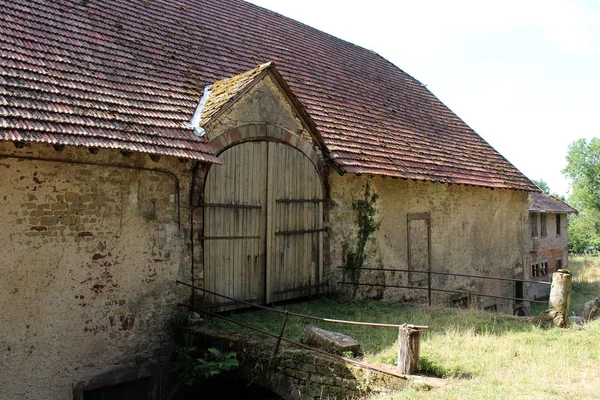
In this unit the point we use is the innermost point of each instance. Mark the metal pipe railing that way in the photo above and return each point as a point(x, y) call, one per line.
point(338, 321)
point(451, 274)
point(430, 289)
point(279, 338)
point(443, 290)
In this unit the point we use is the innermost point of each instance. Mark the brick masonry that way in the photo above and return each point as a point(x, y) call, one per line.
point(546, 249)
point(299, 374)
point(90, 255)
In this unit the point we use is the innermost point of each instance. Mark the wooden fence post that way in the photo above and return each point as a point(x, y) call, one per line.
point(560, 297)
point(408, 350)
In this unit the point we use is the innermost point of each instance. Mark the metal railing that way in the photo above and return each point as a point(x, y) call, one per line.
point(279, 338)
point(430, 289)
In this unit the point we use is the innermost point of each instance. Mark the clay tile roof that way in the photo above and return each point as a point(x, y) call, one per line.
point(127, 73)
point(541, 202)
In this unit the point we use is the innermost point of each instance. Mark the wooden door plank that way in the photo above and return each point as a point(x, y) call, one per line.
point(269, 235)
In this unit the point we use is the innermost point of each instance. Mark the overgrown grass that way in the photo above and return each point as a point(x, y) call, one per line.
point(586, 282)
point(483, 355)
point(586, 279)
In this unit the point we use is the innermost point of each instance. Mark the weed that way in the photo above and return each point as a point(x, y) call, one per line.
point(188, 369)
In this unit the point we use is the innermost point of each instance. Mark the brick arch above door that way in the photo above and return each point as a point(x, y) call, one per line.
point(267, 132)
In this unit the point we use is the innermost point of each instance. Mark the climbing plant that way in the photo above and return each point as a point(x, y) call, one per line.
point(354, 249)
point(189, 367)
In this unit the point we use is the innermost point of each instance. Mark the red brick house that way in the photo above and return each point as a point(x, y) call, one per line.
point(220, 144)
point(548, 241)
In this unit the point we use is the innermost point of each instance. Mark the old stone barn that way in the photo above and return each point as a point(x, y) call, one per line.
point(220, 144)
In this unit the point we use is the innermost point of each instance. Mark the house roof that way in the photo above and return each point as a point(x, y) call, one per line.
point(541, 202)
point(127, 74)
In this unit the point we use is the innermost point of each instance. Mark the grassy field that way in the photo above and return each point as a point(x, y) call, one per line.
point(482, 355)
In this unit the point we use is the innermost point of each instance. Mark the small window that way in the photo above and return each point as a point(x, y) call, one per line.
point(558, 264)
point(539, 269)
point(534, 231)
point(558, 224)
point(543, 224)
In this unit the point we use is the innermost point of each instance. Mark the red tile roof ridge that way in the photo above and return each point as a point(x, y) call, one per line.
point(543, 202)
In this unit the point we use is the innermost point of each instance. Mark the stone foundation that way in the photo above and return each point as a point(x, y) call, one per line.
point(299, 374)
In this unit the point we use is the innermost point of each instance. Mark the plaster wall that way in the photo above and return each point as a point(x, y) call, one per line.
point(89, 258)
point(473, 230)
point(264, 103)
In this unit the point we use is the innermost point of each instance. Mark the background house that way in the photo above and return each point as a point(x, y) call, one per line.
point(137, 148)
point(548, 242)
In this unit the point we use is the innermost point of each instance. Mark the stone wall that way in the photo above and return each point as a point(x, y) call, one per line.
point(473, 230)
point(296, 374)
point(303, 374)
point(546, 249)
point(90, 255)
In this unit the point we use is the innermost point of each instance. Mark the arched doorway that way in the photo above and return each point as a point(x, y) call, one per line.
point(263, 224)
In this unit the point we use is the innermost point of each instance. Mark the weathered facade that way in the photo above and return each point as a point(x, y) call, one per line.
point(126, 165)
point(472, 230)
point(91, 248)
point(547, 241)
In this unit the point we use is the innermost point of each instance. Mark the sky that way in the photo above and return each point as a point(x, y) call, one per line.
point(524, 74)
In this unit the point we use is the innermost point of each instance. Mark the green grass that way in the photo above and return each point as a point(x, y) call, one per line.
point(482, 355)
point(586, 279)
point(586, 282)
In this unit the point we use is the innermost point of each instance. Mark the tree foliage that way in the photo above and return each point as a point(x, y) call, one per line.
point(583, 169)
point(542, 185)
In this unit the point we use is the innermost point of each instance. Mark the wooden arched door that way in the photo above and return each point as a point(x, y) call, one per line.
point(263, 224)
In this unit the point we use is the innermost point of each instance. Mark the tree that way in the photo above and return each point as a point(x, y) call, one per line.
point(542, 185)
point(546, 189)
point(583, 169)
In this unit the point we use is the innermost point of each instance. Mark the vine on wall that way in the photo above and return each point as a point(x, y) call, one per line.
point(354, 249)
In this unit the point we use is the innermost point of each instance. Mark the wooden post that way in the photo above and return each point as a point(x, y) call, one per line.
point(560, 297)
point(408, 350)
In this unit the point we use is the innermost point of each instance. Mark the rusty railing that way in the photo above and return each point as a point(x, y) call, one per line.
point(280, 337)
point(430, 289)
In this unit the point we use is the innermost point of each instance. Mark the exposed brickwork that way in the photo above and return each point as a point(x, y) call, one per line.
point(546, 249)
point(90, 256)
